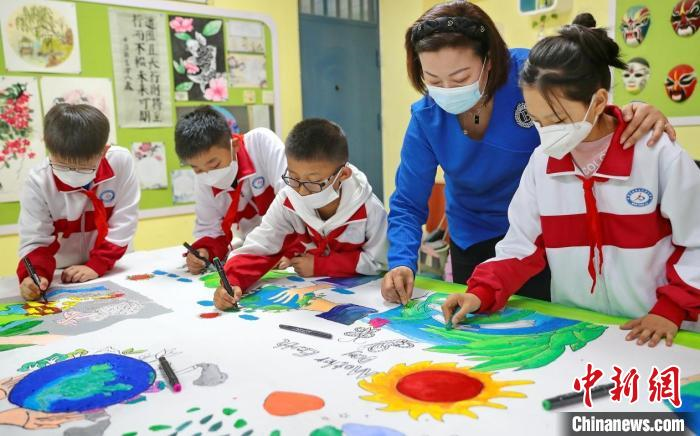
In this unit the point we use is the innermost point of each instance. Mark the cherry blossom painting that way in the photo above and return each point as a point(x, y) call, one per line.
point(95, 91)
point(21, 144)
point(150, 164)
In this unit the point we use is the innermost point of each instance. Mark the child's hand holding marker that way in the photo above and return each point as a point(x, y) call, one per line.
point(233, 293)
point(467, 303)
point(196, 259)
point(196, 265)
point(34, 286)
point(224, 301)
point(30, 291)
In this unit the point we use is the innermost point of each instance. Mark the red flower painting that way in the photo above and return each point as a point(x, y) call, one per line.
point(15, 120)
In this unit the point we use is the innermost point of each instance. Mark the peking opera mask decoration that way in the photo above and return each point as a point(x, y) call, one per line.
point(635, 25)
point(636, 75)
point(680, 83)
point(685, 17)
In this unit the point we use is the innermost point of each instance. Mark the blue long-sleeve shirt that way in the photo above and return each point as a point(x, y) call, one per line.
point(480, 176)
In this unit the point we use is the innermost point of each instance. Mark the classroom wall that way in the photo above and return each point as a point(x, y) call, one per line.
point(395, 15)
point(168, 231)
point(397, 95)
point(518, 32)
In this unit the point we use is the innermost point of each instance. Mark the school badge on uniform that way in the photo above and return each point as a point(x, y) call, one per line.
point(639, 197)
point(107, 196)
point(522, 116)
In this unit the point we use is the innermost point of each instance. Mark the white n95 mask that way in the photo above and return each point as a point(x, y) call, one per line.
point(558, 140)
point(221, 178)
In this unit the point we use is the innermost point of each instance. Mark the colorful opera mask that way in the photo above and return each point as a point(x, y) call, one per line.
point(635, 25)
point(636, 75)
point(680, 83)
point(685, 17)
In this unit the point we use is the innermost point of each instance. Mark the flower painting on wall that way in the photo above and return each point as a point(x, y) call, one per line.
point(21, 145)
point(150, 164)
point(198, 59)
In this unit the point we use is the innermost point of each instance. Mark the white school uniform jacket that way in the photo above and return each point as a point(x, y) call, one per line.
point(625, 242)
point(226, 215)
point(60, 226)
point(351, 242)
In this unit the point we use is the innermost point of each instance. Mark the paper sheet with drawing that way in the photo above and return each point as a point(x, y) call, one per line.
point(395, 368)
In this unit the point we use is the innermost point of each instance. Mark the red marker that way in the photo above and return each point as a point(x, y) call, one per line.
point(170, 374)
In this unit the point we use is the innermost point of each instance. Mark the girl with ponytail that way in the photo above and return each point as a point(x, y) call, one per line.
point(471, 121)
point(618, 227)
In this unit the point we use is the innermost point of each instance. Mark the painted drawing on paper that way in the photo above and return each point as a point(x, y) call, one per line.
point(21, 144)
point(183, 185)
point(40, 36)
point(437, 389)
point(201, 421)
point(245, 36)
point(70, 311)
point(247, 70)
point(198, 59)
point(690, 402)
point(273, 298)
point(150, 164)
point(94, 91)
point(513, 338)
point(51, 392)
point(83, 384)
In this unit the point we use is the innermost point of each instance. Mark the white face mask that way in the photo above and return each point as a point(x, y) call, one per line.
point(459, 99)
point(75, 179)
point(221, 178)
point(319, 199)
point(558, 140)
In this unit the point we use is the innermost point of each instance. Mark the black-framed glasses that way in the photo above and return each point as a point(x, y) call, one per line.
point(65, 168)
point(312, 187)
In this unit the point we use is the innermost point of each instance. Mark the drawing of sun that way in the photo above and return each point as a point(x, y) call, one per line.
point(437, 389)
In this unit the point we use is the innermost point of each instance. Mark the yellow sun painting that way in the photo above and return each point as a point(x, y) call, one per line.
point(437, 389)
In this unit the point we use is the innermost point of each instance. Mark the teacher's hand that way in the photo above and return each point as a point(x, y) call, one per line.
point(397, 285)
point(642, 119)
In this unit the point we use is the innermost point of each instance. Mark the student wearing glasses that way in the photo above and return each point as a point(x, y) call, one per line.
point(326, 220)
point(78, 209)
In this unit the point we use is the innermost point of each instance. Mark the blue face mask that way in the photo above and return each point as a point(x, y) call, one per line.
point(459, 99)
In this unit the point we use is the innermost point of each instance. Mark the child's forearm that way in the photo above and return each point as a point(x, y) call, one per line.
point(103, 257)
point(243, 270)
point(43, 261)
point(215, 246)
point(669, 309)
point(343, 264)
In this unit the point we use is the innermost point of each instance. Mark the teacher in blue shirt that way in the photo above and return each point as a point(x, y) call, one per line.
point(472, 121)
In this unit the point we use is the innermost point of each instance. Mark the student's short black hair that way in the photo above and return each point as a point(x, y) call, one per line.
point(317, 139)
point(200, 130)
point(75, 132)
point(575, 62)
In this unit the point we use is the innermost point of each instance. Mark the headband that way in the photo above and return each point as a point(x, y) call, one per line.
point(463, 25)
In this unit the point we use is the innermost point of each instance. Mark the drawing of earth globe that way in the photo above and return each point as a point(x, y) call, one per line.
point(83, 384)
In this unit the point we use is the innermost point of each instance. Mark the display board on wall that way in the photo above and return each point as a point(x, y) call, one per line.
point(660, 41)
point(144, 68)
